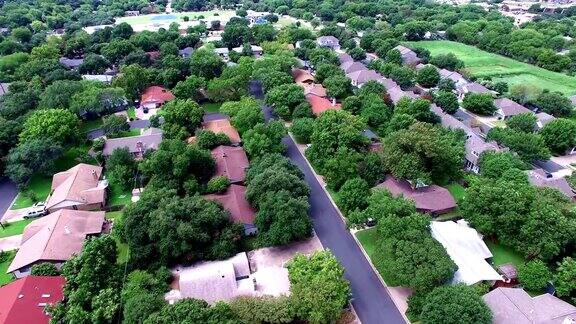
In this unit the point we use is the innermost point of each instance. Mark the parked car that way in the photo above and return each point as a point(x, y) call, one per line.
point(37, 210)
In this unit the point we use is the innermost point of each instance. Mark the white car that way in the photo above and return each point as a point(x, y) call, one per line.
point(37, 210)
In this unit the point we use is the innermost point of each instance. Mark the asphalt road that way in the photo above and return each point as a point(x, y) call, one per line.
point(371, 300)
point(8, 192)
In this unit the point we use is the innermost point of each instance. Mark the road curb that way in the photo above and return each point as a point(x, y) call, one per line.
point(343, 219)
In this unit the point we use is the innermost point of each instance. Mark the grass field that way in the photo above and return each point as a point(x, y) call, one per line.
point(503, 254)
point(211, 106)
point(457, 191)
point(6, 278)
point(88, 125)
point(483, 64)
point(368, 238)
point(15, 228)
point(40, 186)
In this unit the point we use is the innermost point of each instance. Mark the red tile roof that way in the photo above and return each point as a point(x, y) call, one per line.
point(157, 95)
point(23, 300)
point(234, 201)
point(223, 126)
point(320, 105)
point(430, 199)
point(230, 162)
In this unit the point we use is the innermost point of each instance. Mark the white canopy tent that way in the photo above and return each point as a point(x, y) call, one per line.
point(467, 250)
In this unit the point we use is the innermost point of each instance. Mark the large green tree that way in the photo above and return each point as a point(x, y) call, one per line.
point(559, 135)
point(185, 115)
point(455, 304)
point(59, 125)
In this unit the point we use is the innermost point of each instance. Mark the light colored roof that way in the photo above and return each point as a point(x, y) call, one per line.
point(56, 237)
point(135, 144)
point(230, 162)
point(430, 198)
point(454, 76)
point(320, 104)
point(388, 83)
point(71, 63)
point(514, 305)
point(476, 88)
point(78, 185)
point(327, 40)
point(314, 89)
point(345, 57)
point(396, 94)
point(408, 55)
point(465, 247)
point(215, 281)
point(4, 88)
point(539, 178)
point(351, 66)
point(509, 107)
point(221, 50)
point(362, 76)
point(234, 201)
point(223, 126)
point(98, 77)
point(543, 119)
point(474, 145)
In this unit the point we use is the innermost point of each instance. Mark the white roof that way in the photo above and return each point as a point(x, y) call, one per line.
point(465, 247)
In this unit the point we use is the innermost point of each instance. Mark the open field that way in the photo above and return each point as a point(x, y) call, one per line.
point(483, 64)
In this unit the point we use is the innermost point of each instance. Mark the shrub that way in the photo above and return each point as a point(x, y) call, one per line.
point(302, 130)
point(217, 184)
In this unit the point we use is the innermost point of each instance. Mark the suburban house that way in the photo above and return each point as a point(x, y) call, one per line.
point(78, 188)
point(345, 57)
point(154, 97)
point(223, 126)
point(360, 77)
point(352, 66)
point(186, 52)
point(302, 76)
point(222, 52)
point(234, 201)
point(541, 178)
point(314, 89)
point(397, 93)
point(25, 300)
point(387, 83)
point(514, 305)
point(104, 78)
point(467, 249)
point(137, 145)
point(542, 119)
point(71, 63)
point(429, 199)
point(409, 57)
point(457, 78)
point(472, 87)
point(474, 144)
point(55, 238)
point(507, 108)
point(256, 50)
point(328, 41)
point(231, 162)
point(320, 104)
point(224, 280)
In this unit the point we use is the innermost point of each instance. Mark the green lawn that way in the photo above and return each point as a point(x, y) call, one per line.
point(6, 278)
point(503, 254)
point(128, 133)
point(368, 238)
point(211, 106)
point(88, 125)
point(483, 64)
point(117, 196)
point(122, 247)
point(114, 215)
point(457, 191)
point(39, 186)
point(15, 228)
point(131, 112)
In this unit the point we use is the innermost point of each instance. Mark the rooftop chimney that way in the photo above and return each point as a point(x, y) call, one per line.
point(333, 102)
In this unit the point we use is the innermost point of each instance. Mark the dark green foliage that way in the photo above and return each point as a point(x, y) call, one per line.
point(263, 309)
point(217, 184)
point(181, 118)
point(495, 164)
point(554, 103)
point(33, 157)
point(353, 195)
point(114, 125)
point(559, 135)
point(264, 138)
point(446, 100)
point(534, 275)
point(479, 103)
point(447, 61)
point(121, 168)
point(274, 180)
point(207, 139)
point(455, 304)
point(525, 122)
point(285, 98)
point(271, 161)
point(302, 130)
point(428, 77)
point(44, 269)
point(528, 146)
point(244, 114)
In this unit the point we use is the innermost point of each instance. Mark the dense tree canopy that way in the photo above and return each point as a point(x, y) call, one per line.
point(455, 304)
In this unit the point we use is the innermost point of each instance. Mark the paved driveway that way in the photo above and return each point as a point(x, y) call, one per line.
point(10, 243)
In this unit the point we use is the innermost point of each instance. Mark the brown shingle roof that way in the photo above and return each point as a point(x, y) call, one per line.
point(429, 199)
point(302, 76)
point(77, 186)
point(223, 126)
point(135, 144)
point(510, 108)
point(56, 237)
point(234, 201)
point(230, 162)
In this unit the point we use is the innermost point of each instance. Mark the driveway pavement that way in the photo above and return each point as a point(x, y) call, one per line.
point(10, 243)
point(8, 192)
